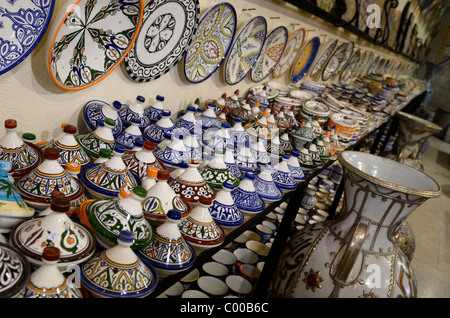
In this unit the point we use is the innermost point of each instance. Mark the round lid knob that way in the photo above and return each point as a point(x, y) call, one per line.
point(60, 204)
point(10, 124)
point(152, 172)
point(228, 185)
point(224, 95)
point(126, 237)
point(226, 125)
point(236, 92)
point(70, 129)
point(205, 201)
point(110, 122)
point(139, 142)
point(191, 109)
point(117, 105)
point(51, 153)
point(250, 175)
point(140, 99)
point(29, 136)
point(238, 120)
point(173, 215)
point(166, 113)
point(125, 193)
point(57, 194)
point(51, 254)
point(285, 157)
point(160, 98)
point(295, 153)
point(149, 145)
point(163, 175)
point(135, 121)
point(140, 192)
point(119, 149)
point(73, 167)
point(105, 153)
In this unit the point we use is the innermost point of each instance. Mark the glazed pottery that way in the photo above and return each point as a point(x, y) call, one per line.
point(117, 272)
point(282, 175)
point(135, 110)
point(214, 139)
point(109, 217)
point(138, 162)
point(25, 156)
point(245, 196)
point(37, 186)
point(208, 119)
point(105, 180)
point(154, 112)
point(100, 138)
point(293, 46)
point(96, 110)
point(238, 134)
point(238, 286)
point(303, 134)
point(156, 131)
point(173, 154)
point(47, 281)
point(212, 286)
point(89, 40)
point(69, 149)
point(413, 133)
point(246, 160)
point(190, 185)
point(243, 112)
point(16, 271)
point(294, 166)
point(13, 208)
point(265, 186)
point(75, 242)
point(343, 255)
point(169, 253)
point(128, 136)
point(188, 123)
point(224, 210)
point(259, 151)
point(193, 147)
point(200, 229)
point(216, 172)
point(215, 269)
point(260, 128)
point(161, 198)
point(230, 161)
point(151, 178)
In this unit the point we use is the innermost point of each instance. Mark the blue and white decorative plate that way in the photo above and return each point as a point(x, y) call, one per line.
point(245, 50)
point(327, 51)
point(23, 23)
point(337, 61)
point(211, 43)
point(270, 55)
point(305, 59)
point(166, 32)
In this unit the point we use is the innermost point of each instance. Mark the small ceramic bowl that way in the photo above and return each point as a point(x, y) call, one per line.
point(225, 257)
point(193, 293)
point(212, 286)
point(174, 291)
point(190, 278)
point(263, 231)
point(249, 272)
point(261, 249)
point(239, 286)
point(245, 255)
point(251, 235)
point(215, 269)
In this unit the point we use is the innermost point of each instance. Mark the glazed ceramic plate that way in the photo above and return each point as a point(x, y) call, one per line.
point(324, 57)
point(349, 69)
point(89, 40)
point(293, 46)
point(305, 59)
point(211, 43)
point(166, 32)
point(338, 60)
point(23, 23)
point(270, 55)
point(373, 65)
point(245, 50)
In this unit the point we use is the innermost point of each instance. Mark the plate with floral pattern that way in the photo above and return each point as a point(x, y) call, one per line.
point(211, 43)
point(338, 60)
point(328, 50)
point(271, 53)
point(167, 29)
point(245, 50)
point(90, 38)
point(349, 69)
point(293, 46)
point(305, 59)
point(23, 23)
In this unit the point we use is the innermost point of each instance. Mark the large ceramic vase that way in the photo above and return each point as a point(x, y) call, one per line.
point(356, 255)
point(412, 134)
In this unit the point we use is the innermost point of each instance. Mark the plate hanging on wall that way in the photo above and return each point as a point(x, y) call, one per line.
point(245, 50)
point(305, 59)
point(89, 39)
point(23, 23)
point(166, 32)
point(324, 57)
point(338, 60)
point(293, 46)
point(211, 43)
point(270, 55)
point(349, 69)
point(373, 65)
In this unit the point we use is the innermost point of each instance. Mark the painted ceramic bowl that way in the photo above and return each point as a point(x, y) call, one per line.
point(37, 186)
point(169, 253)
point(128, 276)
point(16, 269)
point(13, 208)
point(25, 156)
point(109, 217)
point(75, 241)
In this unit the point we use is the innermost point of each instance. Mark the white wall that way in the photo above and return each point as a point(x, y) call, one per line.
point(28, 94)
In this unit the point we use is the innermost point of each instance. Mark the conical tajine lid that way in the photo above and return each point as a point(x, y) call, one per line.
point(154, 112)
point(161, 198)
point(15, 269)
point(294, 166)
point(190, 185)
point(109, 217)
point(169, 252)
point(188, 123)
point(12, 206)
point(129, 135)
point(75, 242)
point(47, 281)
point(216, 172)
point(155, 132)
point(283, 177)
point(224, 210)
point(208, 119)
point(266, 187)
point(100, 138)
point(129, 277)
point(245, 196)
point(25, 156)
point(193, 147)
point(105, 180)
point(95, 110)
point(138, 162)
point(173, 154)
point(260, 127)
point(200, 229)
point(70, 150)
point(37, 186)
point(246, 160)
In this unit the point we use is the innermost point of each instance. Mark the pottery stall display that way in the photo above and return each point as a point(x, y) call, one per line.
point(340, 252)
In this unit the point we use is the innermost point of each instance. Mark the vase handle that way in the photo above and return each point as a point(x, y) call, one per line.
point(351, 251)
